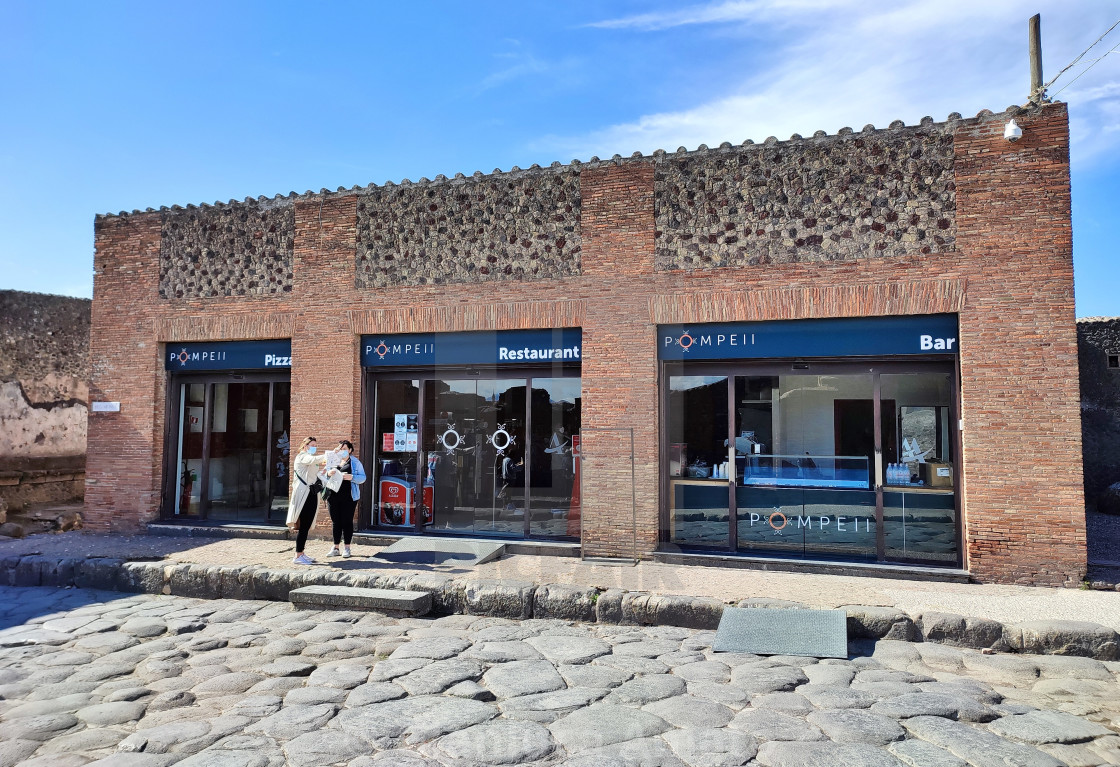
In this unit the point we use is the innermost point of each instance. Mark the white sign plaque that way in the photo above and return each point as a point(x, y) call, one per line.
point(105, 407)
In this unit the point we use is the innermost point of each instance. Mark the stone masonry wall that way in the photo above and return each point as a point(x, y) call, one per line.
point(239, 249)
point(827, 198)
point(1100, 402)
point(515, 226)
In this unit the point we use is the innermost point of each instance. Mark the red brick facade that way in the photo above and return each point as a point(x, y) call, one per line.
point(1009, 278)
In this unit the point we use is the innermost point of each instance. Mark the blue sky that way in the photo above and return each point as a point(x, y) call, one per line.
point(111, 106)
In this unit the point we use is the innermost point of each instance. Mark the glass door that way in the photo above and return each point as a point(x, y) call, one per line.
point(230, 450)
point(474, 443)
point(396, 452)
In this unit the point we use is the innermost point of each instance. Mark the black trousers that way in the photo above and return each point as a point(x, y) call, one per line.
point(342, 517)
point(306, 519)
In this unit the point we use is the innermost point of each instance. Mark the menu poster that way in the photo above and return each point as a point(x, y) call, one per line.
point(400, 430)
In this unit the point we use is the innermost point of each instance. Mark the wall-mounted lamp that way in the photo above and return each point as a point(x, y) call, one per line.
point(1012, 132)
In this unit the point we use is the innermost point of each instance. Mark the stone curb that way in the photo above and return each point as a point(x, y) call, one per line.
point(519, 600)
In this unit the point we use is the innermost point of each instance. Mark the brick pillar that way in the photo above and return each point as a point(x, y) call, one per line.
point(326, 390)
point(124, 450)
point(1025, 512)
point(619, 367)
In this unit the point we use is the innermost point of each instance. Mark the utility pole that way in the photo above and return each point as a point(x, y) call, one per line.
point(1034, 26)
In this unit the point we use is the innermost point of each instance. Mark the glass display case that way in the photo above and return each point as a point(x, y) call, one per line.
point(846, 471)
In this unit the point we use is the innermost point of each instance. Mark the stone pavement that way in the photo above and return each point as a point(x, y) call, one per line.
point(144, 680)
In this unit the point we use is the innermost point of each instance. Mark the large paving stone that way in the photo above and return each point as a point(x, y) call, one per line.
point(510, 680)
point(15, 750)
point(1003, 669)
point(602, 724)
point(313, 696)
point(227, 684)
point(830, 697)
point(171, 699)
point(704, 671)
point(434, 648)
point(633, 664)
point(412, 720)
point(166, 737)
point(65, 704)
point(857, 726)
point(343, 675)
point(758, 680)
point(391, 668)
point(779, 754)
point(373, 692)
point(438, 675)
point(145, 628)
point(550, 706)
point(498, 742)
point(257, 706)
point(829, 675)
point(691, 711)
point(1047, 727)
point(571, 650)
point(324, 747)
point(502, 652)
point(934, 704)
point(589, 675)
point(1090, 640)
point(649, 648)
point(40, 728)
point(786, 702)
point(1067, 666)
point(103, 714)
point(135, 760)
point(728, 694)
point(977, 747)
point(709, 747)
point(774, 725)
point(288, 666)
point(646, 689)
point(291, 721)
point(646, 752)
point(107, 642)
point(918, 753)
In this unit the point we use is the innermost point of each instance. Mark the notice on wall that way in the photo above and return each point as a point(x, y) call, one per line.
point(387, 445)
point(412, 434)
point(400, 430)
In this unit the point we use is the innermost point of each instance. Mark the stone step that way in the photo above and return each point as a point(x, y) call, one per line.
point(390, 601)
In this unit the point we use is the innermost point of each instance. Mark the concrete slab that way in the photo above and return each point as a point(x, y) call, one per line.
point(442, 551)
point(767, 631)
point(395, 601)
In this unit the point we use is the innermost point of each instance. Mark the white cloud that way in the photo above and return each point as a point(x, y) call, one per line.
point(845, 63)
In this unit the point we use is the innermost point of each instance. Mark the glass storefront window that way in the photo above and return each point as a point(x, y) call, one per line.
point(919, 501)
point(551, 458)
point(699, 514)
point(804, 450)
point(786, 463)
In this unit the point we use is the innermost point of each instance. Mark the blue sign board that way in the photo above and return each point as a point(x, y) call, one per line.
point(844, 337)
point(489, 347)
point(229, 355)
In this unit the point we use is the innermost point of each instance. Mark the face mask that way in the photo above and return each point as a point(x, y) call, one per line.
point(312, 449)
point(343, 452)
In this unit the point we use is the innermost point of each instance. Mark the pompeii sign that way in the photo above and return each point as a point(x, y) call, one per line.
point(844, 337)
point(229, 355)
point(502, 347)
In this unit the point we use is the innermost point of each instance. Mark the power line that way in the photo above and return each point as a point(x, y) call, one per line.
point(1074, 62)
point(1086, 69)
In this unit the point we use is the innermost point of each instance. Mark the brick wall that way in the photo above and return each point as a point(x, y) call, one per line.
point(1008, 273)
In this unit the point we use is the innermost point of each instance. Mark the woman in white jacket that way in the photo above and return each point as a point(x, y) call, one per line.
point(305, 495)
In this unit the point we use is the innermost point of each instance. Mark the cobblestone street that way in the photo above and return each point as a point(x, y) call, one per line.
point(109, 679)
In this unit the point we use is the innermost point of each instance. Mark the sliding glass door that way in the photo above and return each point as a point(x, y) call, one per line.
point(472, 455)
point(230, 445)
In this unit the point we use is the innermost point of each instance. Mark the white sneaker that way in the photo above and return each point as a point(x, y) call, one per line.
point(333, 552)
point(346, 553)
point(303, 559)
